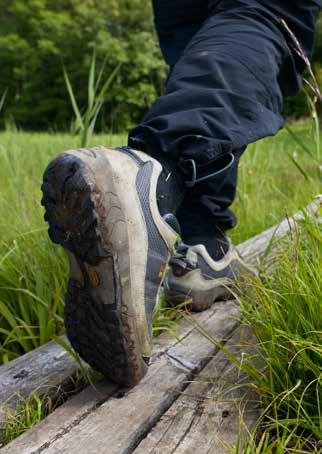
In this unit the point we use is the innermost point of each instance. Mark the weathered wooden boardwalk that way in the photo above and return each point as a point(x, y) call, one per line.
point(193, 399)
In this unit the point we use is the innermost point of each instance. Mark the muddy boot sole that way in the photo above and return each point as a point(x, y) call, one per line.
point(105, 315)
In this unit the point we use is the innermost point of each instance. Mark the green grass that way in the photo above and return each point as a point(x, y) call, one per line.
point(33, 271)
point(284, 309)
point(276, 178)
point(270, 185)
point(28, 413)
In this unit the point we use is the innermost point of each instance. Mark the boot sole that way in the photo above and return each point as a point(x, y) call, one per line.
point(198, 301)
point(100, 317)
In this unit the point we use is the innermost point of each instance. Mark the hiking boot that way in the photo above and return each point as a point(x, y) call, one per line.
point(101, 207)
point(199, 280)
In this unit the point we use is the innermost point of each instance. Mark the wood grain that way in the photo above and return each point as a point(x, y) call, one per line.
point(70, 413)
point(62, 419)
point(47, 370)
point(119, 424)
point(213, 412)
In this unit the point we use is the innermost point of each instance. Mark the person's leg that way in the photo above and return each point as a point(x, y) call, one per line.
point(225, 92)
point(101, 204)
point(176, 22)
point(175, 31)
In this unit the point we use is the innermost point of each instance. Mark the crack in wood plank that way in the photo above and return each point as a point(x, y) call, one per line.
point(121, 424)
point(205, 417)
point(164, 345)
point(49, 368)
point(180, 364)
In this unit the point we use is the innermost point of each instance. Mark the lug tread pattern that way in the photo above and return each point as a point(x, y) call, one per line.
point(99, 333)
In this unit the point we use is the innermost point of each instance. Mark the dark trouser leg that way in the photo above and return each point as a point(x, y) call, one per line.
point(176, 22)
point(225, 92)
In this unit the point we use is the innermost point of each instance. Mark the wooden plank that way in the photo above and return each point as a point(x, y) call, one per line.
point(47, 369)
point(62, 419)
point(118, 425)
point(70, 413)
point(213, 411)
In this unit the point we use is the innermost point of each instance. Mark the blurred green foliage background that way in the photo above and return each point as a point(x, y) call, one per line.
point(38, 36)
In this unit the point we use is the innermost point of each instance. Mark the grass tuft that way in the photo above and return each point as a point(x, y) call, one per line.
point(28, 413)
point(284, 310)
point(85, 119)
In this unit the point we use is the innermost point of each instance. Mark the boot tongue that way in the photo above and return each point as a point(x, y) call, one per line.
point(173, 222)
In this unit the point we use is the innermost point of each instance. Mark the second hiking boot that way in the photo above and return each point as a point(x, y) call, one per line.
point(198, 280)
point(101, 207)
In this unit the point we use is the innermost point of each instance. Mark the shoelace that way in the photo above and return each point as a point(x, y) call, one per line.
point(184, 258)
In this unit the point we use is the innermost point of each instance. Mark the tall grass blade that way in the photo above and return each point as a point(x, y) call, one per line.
point(100, 74)
point(315, 127)
point(3, 98)
point(299, 141)
point(299, 167)
point(73, 354)
point(106, 85)
point(77, 112)
point(86, 122)
point(91, 83)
